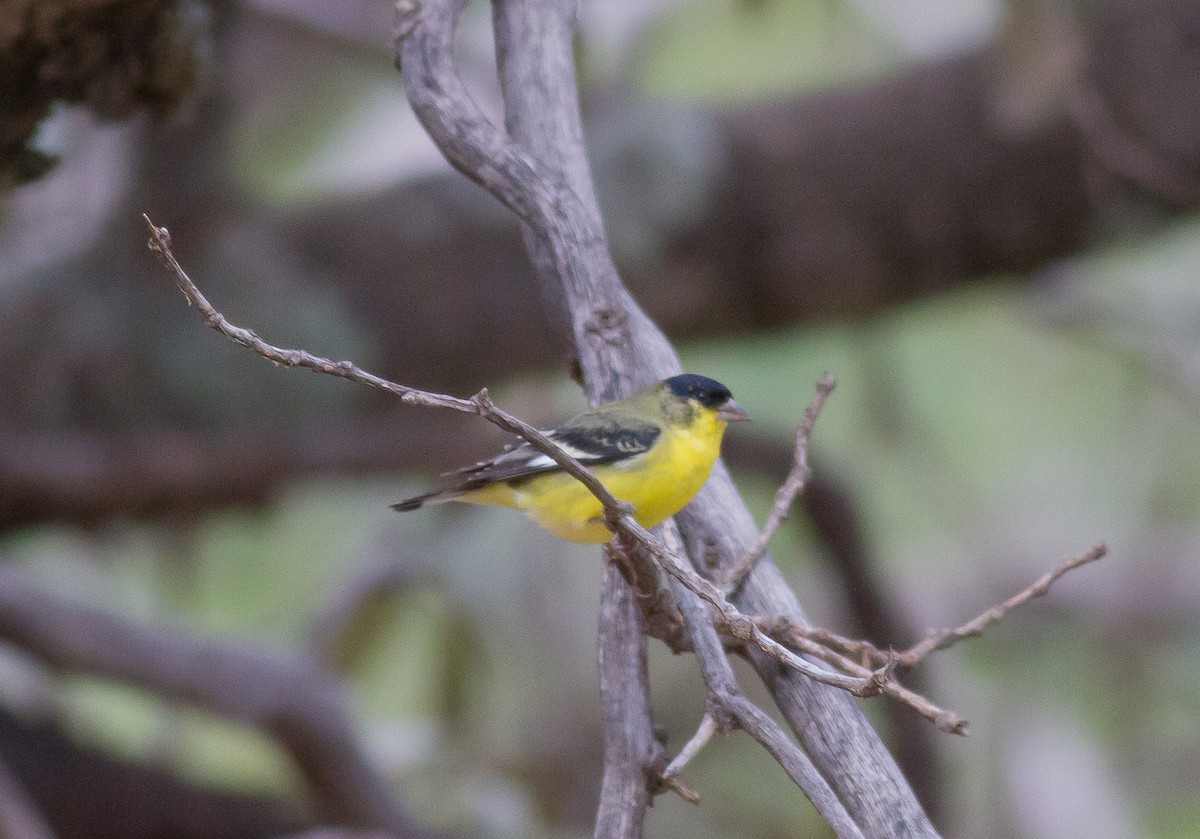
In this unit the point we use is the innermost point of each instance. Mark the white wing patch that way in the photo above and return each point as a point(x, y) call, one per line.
point(540, 461)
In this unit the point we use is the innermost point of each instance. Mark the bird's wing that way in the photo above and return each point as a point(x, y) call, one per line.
point(591, 443)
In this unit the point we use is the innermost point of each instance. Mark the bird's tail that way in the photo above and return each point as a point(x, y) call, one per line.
point(419, 501)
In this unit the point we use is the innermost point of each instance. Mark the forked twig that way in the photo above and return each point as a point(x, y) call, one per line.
point(825, 645)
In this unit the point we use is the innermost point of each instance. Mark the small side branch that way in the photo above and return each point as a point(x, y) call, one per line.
point(792, 486)
point(944, 638)
point(704, 733)
point(801, 637)
point(847, 655)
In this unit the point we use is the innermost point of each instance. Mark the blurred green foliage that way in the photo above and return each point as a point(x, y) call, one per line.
point(985, 434)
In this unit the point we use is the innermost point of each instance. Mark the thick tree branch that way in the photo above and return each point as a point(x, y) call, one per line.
point(729, 706)
point(619, 349)
point(297, 702)
point(84, 793)
point(19, 817)
point(632, 753)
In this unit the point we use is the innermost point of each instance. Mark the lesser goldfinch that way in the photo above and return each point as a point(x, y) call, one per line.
point(654, 450)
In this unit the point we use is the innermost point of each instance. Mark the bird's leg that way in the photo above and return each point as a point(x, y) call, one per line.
point(620, 557)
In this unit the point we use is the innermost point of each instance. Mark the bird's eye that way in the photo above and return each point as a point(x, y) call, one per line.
point(706, 392)
point(712, 398)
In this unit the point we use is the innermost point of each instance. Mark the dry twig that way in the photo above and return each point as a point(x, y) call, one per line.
point(704, 733)
point(836, 650)
point(618, 514)
point(944, 638)
point(786, 495)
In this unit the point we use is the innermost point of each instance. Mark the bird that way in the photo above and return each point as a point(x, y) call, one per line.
point(654, 449)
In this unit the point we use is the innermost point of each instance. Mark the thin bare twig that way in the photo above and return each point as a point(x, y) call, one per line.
point(618, 514)
point(160, 243)
point(935, 639)
point(944, 638)
point(823, 644)
point(704, 733)
point(786, 495)
point(801, 638)
point(728, 707)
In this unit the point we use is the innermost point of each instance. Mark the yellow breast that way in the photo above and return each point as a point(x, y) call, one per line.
point(658, 483)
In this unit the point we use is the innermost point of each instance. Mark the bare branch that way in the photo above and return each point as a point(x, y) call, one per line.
point(422, 43)
point(728, 707)
point(801, 638)
point(704, 733)
point(294, 700)
point(786, 495)
point(941, 639)
point(19, 816)
point(160, 243)
point(631, 751)
point(825, 645)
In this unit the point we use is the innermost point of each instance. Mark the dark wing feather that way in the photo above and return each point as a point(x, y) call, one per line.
point(590, 442)
point(607, 442)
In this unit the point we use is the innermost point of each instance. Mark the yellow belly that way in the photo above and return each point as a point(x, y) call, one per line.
point(658, 484)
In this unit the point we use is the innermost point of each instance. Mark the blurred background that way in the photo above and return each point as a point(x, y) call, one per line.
point(979, 215)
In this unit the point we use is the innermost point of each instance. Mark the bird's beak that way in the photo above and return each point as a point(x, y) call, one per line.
point(732, 412)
